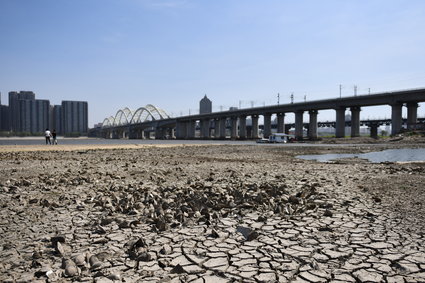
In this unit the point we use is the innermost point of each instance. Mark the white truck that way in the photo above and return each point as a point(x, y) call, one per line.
point(280, 138)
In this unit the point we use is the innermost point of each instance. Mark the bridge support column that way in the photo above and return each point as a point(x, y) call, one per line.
point(141, 134)
point(147, 134)
point(181, 130)
point(254, 130)
point(340, 123)
point(222, 128)
point(312, 126)
point(159, 133)
point(168, 133)
point(267, 125)
point(242, 127)
point(185, 130)
point(280, 122)
point(374, 130)
point(299, 124)
point(234, 132)
point(216, 128)
point(205, 128)
point(412, 115)
point(355, 121)
point(396, 119)
point(191, 128)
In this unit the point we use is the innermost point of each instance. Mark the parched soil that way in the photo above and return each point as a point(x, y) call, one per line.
point(217, 213)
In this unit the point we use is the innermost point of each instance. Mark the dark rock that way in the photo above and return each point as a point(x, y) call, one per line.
point(178, 269)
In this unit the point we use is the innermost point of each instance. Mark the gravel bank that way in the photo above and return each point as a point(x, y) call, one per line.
point(208, 214)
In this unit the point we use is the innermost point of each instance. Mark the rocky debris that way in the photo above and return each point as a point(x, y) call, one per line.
point(208, 214)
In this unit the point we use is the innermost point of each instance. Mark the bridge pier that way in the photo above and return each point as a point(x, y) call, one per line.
point(191, 128)
point(234, 131)
point(254, 130)
point(374, 130)
point(141, 134)
point(340, 123)
point(159, 133)
point(280, 122)
point(355, 121)
point(299, 124)
point(312, 125)
point(267, 125)
point(222, 127)
point(412, 115)
point(242, 127)
point(216, 128)
point(181, 130)
point(396, 119)
point(205, 128)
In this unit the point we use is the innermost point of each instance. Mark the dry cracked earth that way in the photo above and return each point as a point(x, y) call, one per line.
point(209, 214)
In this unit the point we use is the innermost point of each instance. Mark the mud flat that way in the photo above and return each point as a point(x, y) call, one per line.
point(208, 214)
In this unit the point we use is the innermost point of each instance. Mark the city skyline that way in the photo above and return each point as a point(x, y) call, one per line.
point(240, 53)
point(24, 114)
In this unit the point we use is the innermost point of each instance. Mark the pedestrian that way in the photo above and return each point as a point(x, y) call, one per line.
point(48, 134)
point(54, 141)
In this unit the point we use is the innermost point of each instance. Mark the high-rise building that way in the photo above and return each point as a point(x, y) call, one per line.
point(27, 114)
point(34, 115)
point(15, 108)
point(205, 105)
point(4, 119)
point(74, 117)
point(56, 118)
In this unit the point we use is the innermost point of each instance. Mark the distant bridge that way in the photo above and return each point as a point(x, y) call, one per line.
point(125, 116)
point(148, 119)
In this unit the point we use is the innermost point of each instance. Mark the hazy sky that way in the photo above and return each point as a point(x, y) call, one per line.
point(171, 52)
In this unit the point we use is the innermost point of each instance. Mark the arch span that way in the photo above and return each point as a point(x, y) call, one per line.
point(123, 117)
point(126, 116)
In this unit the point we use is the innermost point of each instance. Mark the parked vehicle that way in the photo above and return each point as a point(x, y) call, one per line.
point(263, 140)
point(277, 138)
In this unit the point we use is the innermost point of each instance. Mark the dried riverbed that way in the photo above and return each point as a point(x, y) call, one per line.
point(209, 214)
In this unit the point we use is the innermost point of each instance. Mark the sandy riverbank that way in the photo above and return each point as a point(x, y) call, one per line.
point(208, 214)
point(77, 147)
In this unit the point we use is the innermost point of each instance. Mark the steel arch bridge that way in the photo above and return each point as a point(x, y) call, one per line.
point(126, 116)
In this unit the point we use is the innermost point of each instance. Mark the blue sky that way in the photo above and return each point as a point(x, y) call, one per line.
point(171, 52)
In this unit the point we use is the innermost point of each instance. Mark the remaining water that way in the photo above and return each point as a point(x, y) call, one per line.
point(389, 155)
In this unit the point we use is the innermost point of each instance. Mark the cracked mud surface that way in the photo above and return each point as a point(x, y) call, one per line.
point(209, 214)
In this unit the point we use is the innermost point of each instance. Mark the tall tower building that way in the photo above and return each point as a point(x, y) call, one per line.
point(74, 117)
point(15, 108)
point(1, 115)
point(27, 114)
point(205, 105)
point(34, 115)
point(4, 117)
point(57, 119)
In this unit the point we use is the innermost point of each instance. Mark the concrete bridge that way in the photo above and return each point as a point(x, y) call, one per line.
point(214, 125)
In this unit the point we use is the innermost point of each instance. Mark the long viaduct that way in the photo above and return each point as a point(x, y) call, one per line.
point(214, 125)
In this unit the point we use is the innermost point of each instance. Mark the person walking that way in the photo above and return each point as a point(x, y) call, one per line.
point(54, 141)
point(47, 135)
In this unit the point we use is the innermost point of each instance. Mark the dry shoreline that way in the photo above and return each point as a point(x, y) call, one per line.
point(184, 213)
point(76, 147)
